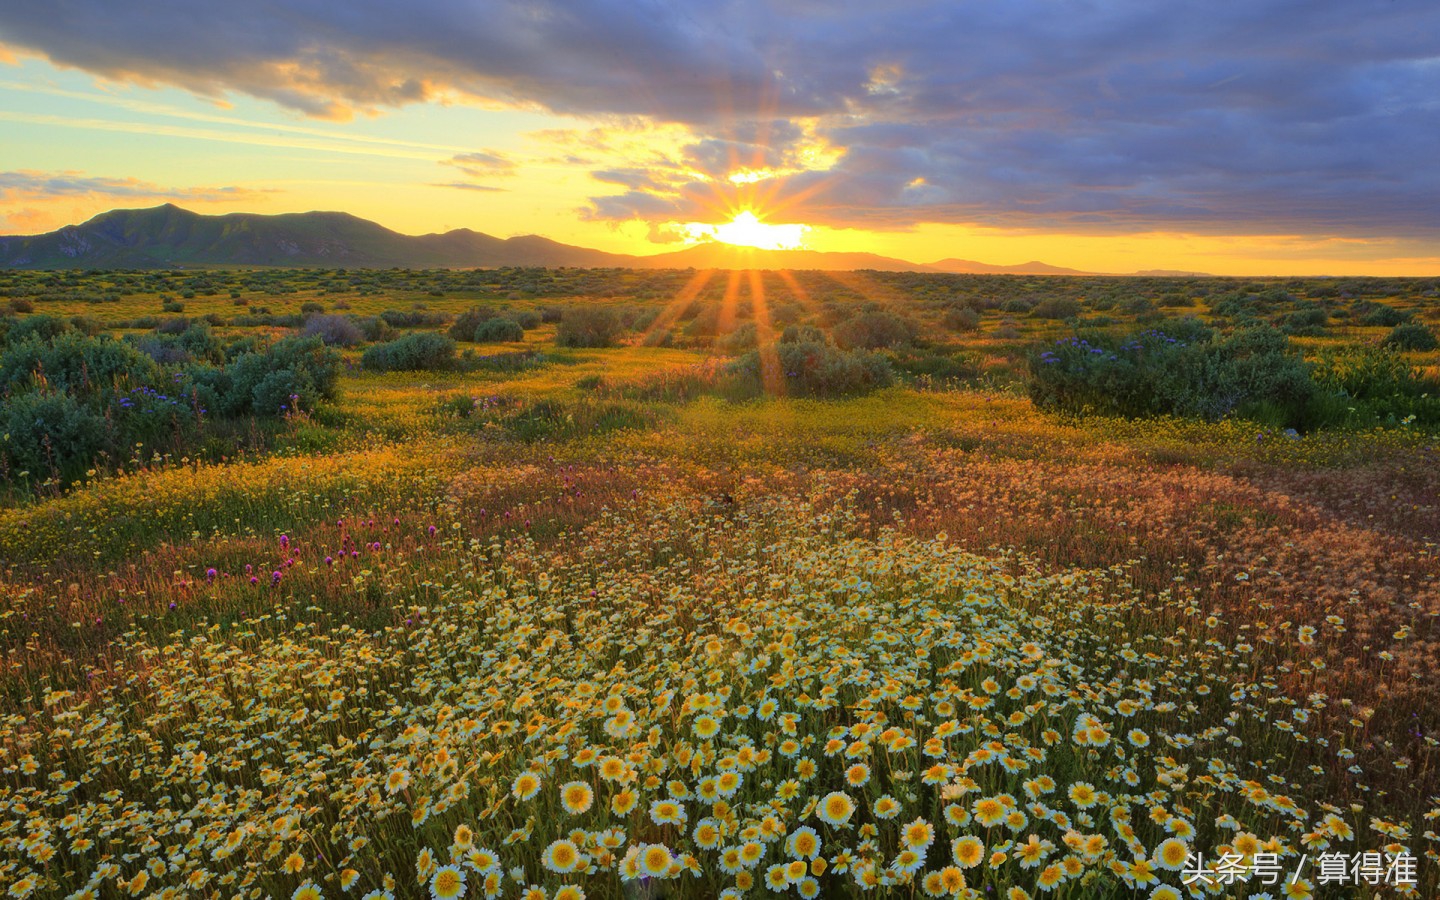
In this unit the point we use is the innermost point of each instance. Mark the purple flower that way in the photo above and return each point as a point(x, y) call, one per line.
point(329, 560)
point(210, 574)
point(284, 541)
point(275, 577)
point(431, 530)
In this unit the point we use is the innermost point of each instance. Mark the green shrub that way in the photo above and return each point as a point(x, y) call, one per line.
point(412, 318)
point(39, 327)
point(1251, 374)
point(1380, 315)
point(465, 324)
point(874, 330)
point(738, 341)
point(72, 397)
point(808, 370)
point(422, 351)
point(334, 330)
point(263, 382)
point(1308, 322)
point(588, 326)
point(48, 432)
point(1057, 308)
point(74, 362)
point(802, 334)
point(1411, 336)
point(498, 328)
point(962, 319)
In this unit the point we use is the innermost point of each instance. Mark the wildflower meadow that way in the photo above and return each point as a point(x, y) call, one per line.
point(692, 585)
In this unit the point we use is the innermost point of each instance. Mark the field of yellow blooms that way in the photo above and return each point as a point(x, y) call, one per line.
point(926, 642)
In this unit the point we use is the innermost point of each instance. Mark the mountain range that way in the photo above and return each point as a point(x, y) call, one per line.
point(168, 236)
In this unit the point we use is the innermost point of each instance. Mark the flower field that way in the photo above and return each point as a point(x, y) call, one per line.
point(580, 631)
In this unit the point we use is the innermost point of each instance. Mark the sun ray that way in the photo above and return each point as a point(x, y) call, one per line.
point(676, 306)
point(728, 305)
point(771, 375)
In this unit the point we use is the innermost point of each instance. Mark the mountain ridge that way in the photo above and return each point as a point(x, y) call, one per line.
point(168, 236)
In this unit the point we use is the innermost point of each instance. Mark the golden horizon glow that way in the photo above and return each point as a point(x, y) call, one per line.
point(748, 230)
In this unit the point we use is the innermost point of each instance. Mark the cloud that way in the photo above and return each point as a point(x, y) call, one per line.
point(482, 164)
point(31, 185)
point(35, 202)
point(467, 186)
point(1278, 116)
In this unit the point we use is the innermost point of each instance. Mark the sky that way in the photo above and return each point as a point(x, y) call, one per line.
point(1244, 137)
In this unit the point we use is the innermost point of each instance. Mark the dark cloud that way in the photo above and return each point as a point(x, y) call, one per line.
point(1278, 116)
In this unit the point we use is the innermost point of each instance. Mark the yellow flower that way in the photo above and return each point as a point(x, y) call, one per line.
point(1171, 854)
point(835, 808)
point(968, 851)
point(655, 859)
point(525, 786)
point(307, 891)
point(576, 797)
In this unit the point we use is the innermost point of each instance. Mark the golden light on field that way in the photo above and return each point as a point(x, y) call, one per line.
point(748, 230)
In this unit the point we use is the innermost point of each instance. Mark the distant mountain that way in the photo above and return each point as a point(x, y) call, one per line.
point(168, 236)
point(971, 267)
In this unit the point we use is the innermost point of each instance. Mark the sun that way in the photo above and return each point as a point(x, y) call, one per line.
point(747, 230)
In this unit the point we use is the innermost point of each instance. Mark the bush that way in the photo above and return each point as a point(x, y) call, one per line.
point(802, 334)
point(424, 351)
point(808, 370)
point(873, 330)
point(77, 363)
point(48, 432)
point(961, 319)
point(1057, 308)
point(262, 382)
point(468, 321)
point(37, 327)
point(1411, 336)
point(1309, 322)
point(334, 331)
point(738, 341)
point(588, 326)
point(528, 319)
point(1379, 315)
point(413, 318)
point(1251, 374)
point(176, 325)
point(71, 397)
point(498, 329)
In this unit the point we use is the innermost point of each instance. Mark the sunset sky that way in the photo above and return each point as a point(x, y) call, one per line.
point(1226, 137)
